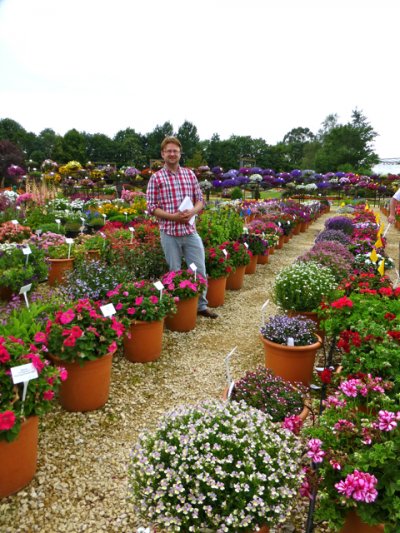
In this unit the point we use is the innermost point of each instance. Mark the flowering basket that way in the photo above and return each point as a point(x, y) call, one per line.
point(184, 284)
point(215, 467)
point(280, 328)
point(40, 391)
point(140, 300)
point(217, 262)
point(80, 332)
point(355, 449)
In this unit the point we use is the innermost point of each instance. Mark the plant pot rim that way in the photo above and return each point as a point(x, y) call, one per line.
point(284, 347)
point(55, 259)
point(79, 361)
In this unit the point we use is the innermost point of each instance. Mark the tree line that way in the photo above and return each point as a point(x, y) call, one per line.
point(347, 147)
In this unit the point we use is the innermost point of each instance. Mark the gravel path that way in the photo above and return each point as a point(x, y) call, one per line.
point(81, 482)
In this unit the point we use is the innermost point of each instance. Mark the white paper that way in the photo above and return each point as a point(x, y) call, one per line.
point(69, 240)
point(187, 204)
point(158, 285)
point(23, 373)
point(108, 310)
point(27, 250)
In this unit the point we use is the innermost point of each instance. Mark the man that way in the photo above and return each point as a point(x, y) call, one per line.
point(394, 201)
point(166, 190)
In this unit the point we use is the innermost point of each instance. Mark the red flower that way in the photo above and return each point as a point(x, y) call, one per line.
point(325, 375)
point(390, 316)
point(7, 420)
point(342, 302)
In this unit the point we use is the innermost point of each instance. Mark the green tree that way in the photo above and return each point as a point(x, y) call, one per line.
point(187, 134)
point(74, 147)
point(129, 148)
point(296, 141)
point(154, 139)
point(99, 148)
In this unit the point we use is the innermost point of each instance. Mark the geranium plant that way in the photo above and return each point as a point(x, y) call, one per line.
point(280, 328)
point(184, 284)
point(40, 391)
point(140, 300)
point(80, 332)
point(238, 253)
point(355, 450)
point(271, 394)
point(217, 262)
point(215, 467)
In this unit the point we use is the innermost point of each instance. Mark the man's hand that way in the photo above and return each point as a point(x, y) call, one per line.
point(391, 219)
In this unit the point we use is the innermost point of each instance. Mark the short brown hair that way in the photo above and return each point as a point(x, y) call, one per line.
point(172, 140)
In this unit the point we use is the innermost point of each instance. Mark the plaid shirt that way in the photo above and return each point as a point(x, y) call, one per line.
point(166, 190)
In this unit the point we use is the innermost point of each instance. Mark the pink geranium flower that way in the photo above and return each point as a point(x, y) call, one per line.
point(7, 420)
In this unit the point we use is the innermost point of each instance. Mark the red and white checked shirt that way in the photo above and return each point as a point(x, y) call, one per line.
point(166, 190)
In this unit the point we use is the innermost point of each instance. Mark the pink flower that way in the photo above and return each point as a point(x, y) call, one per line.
point(4, 355)
point(360, 486)
point(131, 311)
point(119, 306)
point(70, 341)
point(335, 465)
point(40, 337)
point(67, 317)
point(139, 300)
point(153, 299)
point(63, 373)
point(117, 327)
point(48, 395)
point(349, 387)
point(112, 348)
point(387, 421)
point(7, 420)
point(293, 423)
point(36, 361)
point(314, 450)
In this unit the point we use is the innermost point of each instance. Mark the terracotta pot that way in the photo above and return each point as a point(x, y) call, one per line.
point(235, 279)
point(296, 229)
point(185, 317)
point(145, 342)
point(286, 239)
point(216, 291)
point(271, 250)
point(303, 227)
point(18, 459)
point(58, 268)
point(87, 386)
point(293, 363)
point(263, 259)
point(93, 255)
point(279, 245)
point(353, 524)
point(251, 267)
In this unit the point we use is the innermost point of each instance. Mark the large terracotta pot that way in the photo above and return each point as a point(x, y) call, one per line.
point(296, 229)
point(87, 386)
point(18, 458)
point(263, 259)
point(353, 524)
point(216, 291)
point(286, 239)
point(271, 250)
point(186, 316)
point(58, 268)
point(279, 245)
point(293, 363)
point(235, 279)
point(303, 227)
point(145, 342)
point(251, 267)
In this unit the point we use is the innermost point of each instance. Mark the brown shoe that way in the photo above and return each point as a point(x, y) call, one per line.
point(207, 313)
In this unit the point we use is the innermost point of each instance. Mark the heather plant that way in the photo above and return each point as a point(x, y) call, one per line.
point(215, 467)
point(302, 286)
point(344, 224)
point(271, 394)
point(333, 235)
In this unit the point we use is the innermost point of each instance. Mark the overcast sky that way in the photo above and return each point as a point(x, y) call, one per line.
point(248, 67)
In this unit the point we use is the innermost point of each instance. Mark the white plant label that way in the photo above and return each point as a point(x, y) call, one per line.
point(18, 207)
point(27, 250)
point(108, 310)
point(230, 390)
point(245, 230)
point(39, 232)
point(83, 220)
point(227, 361)
point(290, 341)
point(246, 245)
point(15, 222)
point(23, 373)
point(263, 308)
point(194, 268)
point(131, 229)
point(224, 252)
point(159, 286)
point(24, 290)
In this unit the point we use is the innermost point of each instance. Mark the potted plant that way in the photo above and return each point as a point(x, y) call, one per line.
point(19, 416)
point(95, 246)
point(300, 288)
point(258, 247)
point(273, 395)
point(10, 232)
point(354, 446)
point(290, 346)
point(79, 338)
point(185, 286)
point(61, 258)
point(215, 467)
point(240, 257)
point(18, 269)
point(218, 268)
point(144, 309)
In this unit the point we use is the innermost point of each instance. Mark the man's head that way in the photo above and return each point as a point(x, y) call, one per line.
point(171, 151)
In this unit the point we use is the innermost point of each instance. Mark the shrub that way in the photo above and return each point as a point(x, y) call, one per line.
point(333, 235)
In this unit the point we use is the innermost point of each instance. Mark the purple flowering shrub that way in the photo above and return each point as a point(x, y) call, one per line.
point(340, 223)
point(333, 255)
point(269, 393)
point(333, 235)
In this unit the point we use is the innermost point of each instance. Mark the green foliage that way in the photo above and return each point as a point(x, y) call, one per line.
point(23, 322)
point(216, 225)
point(16, 270)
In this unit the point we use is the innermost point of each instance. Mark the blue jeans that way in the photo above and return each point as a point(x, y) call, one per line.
point(191, 248)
